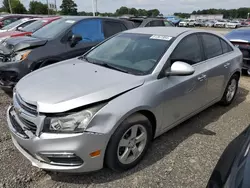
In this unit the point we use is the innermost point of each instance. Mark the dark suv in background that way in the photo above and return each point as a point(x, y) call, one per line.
point(62, 39)
point(149, 22)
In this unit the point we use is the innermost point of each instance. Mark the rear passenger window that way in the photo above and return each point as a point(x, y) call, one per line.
point(225, 47)
point(26, 23)
point(155, 23)
point(90, 30)
point(111, 28)
point(212, 46)
point(188, 50)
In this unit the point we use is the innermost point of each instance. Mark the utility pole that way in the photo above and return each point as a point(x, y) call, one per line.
point(10, 6)
point(93, 7)
point(48, 6)
point(55, 7)
point(248, 15)
point(96, 6)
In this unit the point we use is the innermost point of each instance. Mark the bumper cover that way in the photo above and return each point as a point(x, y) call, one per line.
point(11, 73)
point(81, 144)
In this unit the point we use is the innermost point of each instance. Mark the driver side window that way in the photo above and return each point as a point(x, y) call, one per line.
point(89, 30)
point(188, 50)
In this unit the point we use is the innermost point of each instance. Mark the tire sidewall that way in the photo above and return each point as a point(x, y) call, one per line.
point(111, 158)
point(224, 99)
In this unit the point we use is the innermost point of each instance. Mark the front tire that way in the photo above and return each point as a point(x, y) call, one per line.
point(230, 90)
point(129, 143)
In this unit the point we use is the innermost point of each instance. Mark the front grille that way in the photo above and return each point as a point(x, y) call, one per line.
point(16, 126)
point(25, 112)
point(32, 109)
point(30, 126)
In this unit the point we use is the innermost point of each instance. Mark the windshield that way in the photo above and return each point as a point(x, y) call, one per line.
point(135, 53)
point(53, 29)
point(34, 26)
point(12, 25)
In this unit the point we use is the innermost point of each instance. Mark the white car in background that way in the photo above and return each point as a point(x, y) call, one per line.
point(220, 23)
point(187, 23)
point(233, 24)
point(19, 24)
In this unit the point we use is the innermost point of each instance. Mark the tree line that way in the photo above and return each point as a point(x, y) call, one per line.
point(228, 14)
point(69, 7)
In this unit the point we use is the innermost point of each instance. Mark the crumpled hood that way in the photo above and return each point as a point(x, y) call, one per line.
point(73, 83)
point(25, 42)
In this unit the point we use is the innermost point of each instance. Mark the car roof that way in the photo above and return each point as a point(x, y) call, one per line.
point(50, 18)
point(169, 31)
point(77, 18)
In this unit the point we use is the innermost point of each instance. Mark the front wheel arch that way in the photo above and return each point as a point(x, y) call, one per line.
point(110, 158)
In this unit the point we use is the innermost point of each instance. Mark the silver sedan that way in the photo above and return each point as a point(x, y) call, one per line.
point(105, 107)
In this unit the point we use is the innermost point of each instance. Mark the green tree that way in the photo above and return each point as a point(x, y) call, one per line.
point(133, 11)
point(121, 11)
point(142, 12)
point(16, 5)
point(153, 13)
point(36, 7)
point(68, 7)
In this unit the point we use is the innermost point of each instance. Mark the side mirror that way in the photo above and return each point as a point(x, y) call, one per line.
point(75, 39)
point(180, 68)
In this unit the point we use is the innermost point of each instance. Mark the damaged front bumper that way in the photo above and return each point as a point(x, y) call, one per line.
point(11, 73)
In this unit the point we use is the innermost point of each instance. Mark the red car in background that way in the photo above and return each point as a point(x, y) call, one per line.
point(29, 29)
point(6, 19)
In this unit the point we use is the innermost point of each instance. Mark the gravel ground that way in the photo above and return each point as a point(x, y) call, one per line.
point(182, 157)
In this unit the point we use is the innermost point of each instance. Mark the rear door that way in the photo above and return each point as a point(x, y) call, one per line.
point(91, 31)
point(218, 59)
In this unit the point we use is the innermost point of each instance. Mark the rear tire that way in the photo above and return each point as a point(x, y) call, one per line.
point(129, 143)
point(230, 91)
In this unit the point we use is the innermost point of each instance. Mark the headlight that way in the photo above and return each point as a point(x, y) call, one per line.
point(75, 122)
point(21, 55)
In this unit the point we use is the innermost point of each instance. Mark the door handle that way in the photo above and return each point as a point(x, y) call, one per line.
point(226, 65)
point(202, 77)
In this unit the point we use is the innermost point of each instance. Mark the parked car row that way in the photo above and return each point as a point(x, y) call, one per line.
point(232, 24)
point(75, 79)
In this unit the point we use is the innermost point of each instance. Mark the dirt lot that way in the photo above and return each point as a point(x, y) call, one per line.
point(183, 157)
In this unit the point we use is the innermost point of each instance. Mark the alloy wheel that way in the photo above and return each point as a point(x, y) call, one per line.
point(132, 144)
point(231, 90)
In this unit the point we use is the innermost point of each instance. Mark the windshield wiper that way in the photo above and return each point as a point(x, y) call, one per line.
point(103, 64)
point(111, 66)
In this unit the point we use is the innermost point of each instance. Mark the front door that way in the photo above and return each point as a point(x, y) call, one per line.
point(184, 95)
point(91, 31)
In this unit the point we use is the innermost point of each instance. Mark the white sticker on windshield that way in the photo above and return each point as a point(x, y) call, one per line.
point(44, 21)
point(161, 37)
point(70, 21)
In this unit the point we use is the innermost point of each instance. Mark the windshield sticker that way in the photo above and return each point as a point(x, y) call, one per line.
point(161, 37)
point(44, 21)
point(70, 21)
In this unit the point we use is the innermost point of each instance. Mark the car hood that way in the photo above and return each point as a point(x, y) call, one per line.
point(72, 84)
point(20, 43)
point(239, 36)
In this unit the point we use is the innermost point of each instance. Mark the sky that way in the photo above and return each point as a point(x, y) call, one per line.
point(166, 7)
